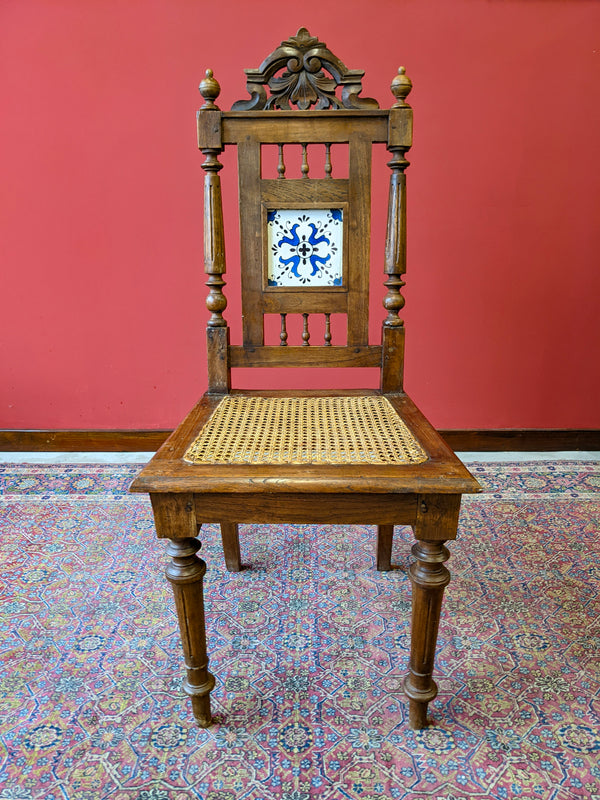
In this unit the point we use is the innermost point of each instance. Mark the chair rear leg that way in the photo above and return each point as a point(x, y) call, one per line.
point(231, 546)
point(385, 536)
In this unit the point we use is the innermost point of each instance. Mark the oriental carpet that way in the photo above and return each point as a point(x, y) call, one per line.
point(309, 648)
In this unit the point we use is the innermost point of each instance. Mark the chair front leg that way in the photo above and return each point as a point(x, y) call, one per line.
point(175, 520)
point(429, 578)
point(436, 522)
point(186, 572)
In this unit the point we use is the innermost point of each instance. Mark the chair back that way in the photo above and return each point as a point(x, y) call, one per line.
point(305, 240)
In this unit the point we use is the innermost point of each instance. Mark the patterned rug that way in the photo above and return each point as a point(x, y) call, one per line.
point(309, 648)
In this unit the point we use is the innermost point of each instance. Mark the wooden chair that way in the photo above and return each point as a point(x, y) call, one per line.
point(345, 457)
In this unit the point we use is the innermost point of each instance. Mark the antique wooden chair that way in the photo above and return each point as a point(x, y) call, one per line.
point(345, 457)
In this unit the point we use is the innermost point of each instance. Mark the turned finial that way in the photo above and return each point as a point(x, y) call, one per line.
point(209, 89)
point(401, 86)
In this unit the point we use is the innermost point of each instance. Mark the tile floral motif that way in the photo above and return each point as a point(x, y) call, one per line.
point(305, 247)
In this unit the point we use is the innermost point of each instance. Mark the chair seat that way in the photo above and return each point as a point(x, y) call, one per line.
point(437, 470)
point(305, 430)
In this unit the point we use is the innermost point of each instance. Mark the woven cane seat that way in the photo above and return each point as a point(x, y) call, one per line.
point(305, 430)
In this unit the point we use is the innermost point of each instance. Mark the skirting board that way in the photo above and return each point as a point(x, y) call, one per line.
point(130, 440)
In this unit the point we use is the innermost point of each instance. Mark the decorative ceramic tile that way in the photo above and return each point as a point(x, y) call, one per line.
point(305, 247)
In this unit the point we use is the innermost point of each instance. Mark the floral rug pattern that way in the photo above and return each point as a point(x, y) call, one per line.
point(309, 648)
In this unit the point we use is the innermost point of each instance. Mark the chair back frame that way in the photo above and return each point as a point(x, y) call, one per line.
point(352, 121)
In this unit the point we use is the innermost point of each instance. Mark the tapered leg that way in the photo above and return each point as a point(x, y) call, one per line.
point(186, 573)
point(231, 546)
point(385, 537)
point(429, 578)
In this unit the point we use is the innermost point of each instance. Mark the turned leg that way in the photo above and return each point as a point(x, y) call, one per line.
point(429, 578)
point(385, 537)
point(231, 546)
point(186, 573)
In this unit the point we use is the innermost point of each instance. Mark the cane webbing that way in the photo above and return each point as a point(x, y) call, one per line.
point(305, 430)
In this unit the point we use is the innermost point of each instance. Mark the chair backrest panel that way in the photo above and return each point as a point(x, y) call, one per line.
point(338, 208)
point(305, 241)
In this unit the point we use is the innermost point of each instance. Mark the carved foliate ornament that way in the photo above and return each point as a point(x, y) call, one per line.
point(310, 77)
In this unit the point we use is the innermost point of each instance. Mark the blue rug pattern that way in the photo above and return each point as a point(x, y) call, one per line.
point(309, 648)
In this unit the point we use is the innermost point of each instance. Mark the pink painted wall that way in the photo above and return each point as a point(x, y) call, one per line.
point(102, 321)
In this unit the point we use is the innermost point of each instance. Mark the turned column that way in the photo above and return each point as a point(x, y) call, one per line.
point(436, 522)
point(175, 519)
point(429, 578)
point(185, 573)
point(210, 144)
point(399, 142)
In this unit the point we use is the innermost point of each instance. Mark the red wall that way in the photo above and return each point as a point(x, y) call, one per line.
point(101, 201)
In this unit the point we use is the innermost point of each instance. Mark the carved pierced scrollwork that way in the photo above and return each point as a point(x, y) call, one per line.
point(302, 60)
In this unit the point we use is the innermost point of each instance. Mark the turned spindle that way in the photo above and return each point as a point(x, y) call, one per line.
point(327, 335)
point(280, 163)
point(214, 236)
point(304, 168)
point(284, 334)
point(185, 573)
point(305, 331)
point(395, 247)
point(429, 578)
point(328, 167)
